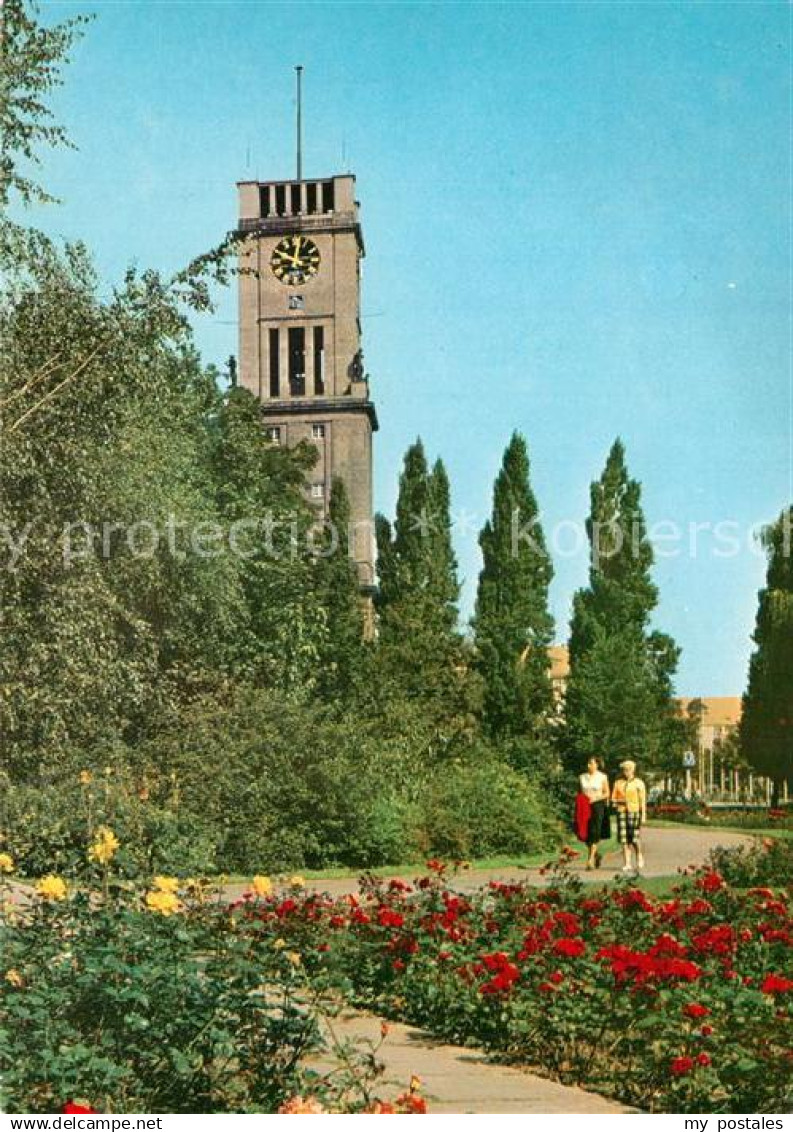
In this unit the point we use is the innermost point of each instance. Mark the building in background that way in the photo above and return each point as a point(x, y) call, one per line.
point(300, 336)
point(719, 774)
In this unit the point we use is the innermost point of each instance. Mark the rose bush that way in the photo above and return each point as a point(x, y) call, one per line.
point(121, 998)
point(765, 861)
point(678, 1004)
point(696, 812)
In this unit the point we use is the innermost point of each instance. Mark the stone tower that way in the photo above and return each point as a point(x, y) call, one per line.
point(300, 335)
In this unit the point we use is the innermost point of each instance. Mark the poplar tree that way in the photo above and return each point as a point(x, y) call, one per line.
point(420, 652)
point(442, 566)
point(619, 697)
point(766, 730)
point(512, 624)
point(340, 597)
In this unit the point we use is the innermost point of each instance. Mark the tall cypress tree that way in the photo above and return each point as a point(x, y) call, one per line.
point(767, 722)
point(619, 696)
point(512, 624)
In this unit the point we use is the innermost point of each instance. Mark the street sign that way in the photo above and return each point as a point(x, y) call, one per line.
point(689, 760)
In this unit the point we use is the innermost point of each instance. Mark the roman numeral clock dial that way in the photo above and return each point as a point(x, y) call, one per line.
point(295, 259)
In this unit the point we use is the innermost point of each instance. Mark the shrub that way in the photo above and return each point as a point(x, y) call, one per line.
point(49, 823)
point(265, 783)
point(672, 1005)
point(480, 808)
point(127, 1000)
point(767, 861)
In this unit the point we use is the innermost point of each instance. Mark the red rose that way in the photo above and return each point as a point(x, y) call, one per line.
point(681, 1066)
point(388, 918)
point(776, 984)
point(696, 1010)
point(706, 1031)
point(711, 882)
point(570, 947)
point(72, 1106)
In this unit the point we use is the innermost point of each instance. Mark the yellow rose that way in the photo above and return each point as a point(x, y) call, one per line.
point(104, 847)
point(262, 886)
point(279, 943)
point(166, 903)
point(51, 888)
point(166, 884)
point(14, 978)
point(293, 957)
point(297, 882)
point(86, 778)
point(6, 863)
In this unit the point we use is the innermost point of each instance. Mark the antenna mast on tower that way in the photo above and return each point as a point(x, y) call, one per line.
point(299, 71)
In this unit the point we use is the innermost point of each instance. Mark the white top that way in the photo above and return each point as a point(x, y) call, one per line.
point(594, 785)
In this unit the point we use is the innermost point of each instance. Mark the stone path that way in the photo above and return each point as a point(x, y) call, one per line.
point(459, 1080)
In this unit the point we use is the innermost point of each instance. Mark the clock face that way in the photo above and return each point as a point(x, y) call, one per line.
point(294, 260)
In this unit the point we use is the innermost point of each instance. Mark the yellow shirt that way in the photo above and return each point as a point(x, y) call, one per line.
point(630, 796)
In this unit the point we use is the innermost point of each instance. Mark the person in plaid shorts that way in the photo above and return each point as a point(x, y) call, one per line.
point(629, 799)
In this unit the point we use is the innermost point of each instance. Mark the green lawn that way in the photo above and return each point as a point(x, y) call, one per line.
point(418, 867)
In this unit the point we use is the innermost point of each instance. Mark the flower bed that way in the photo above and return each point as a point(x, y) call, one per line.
point(697, 812)
point(122, 997)
point(678, 1004)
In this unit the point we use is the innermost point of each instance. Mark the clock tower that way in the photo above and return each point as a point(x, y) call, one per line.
point(300, 336)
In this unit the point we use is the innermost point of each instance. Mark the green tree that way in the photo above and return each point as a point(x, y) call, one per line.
point(262, 503)
point(442, 581)
point(420, 652)
point(512, 624)
point(31, 59)
point(341, 661)
point(766, 731)
point(619, 697)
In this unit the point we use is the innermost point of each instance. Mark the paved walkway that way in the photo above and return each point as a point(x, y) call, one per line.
point(459, 1080)
point(667, 851)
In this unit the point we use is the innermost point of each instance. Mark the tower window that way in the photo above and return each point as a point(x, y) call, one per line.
point(318, 432)
point(297, 361)
point(311, 197)
point(273, 434)
point(317, 491)
point(264, 200)
point(319, 360)
point(328, 196)
point(295, 194)
point(280, 200)
point(275, 364)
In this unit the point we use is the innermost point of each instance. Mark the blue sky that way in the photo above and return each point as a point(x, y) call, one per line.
point(578, 224)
